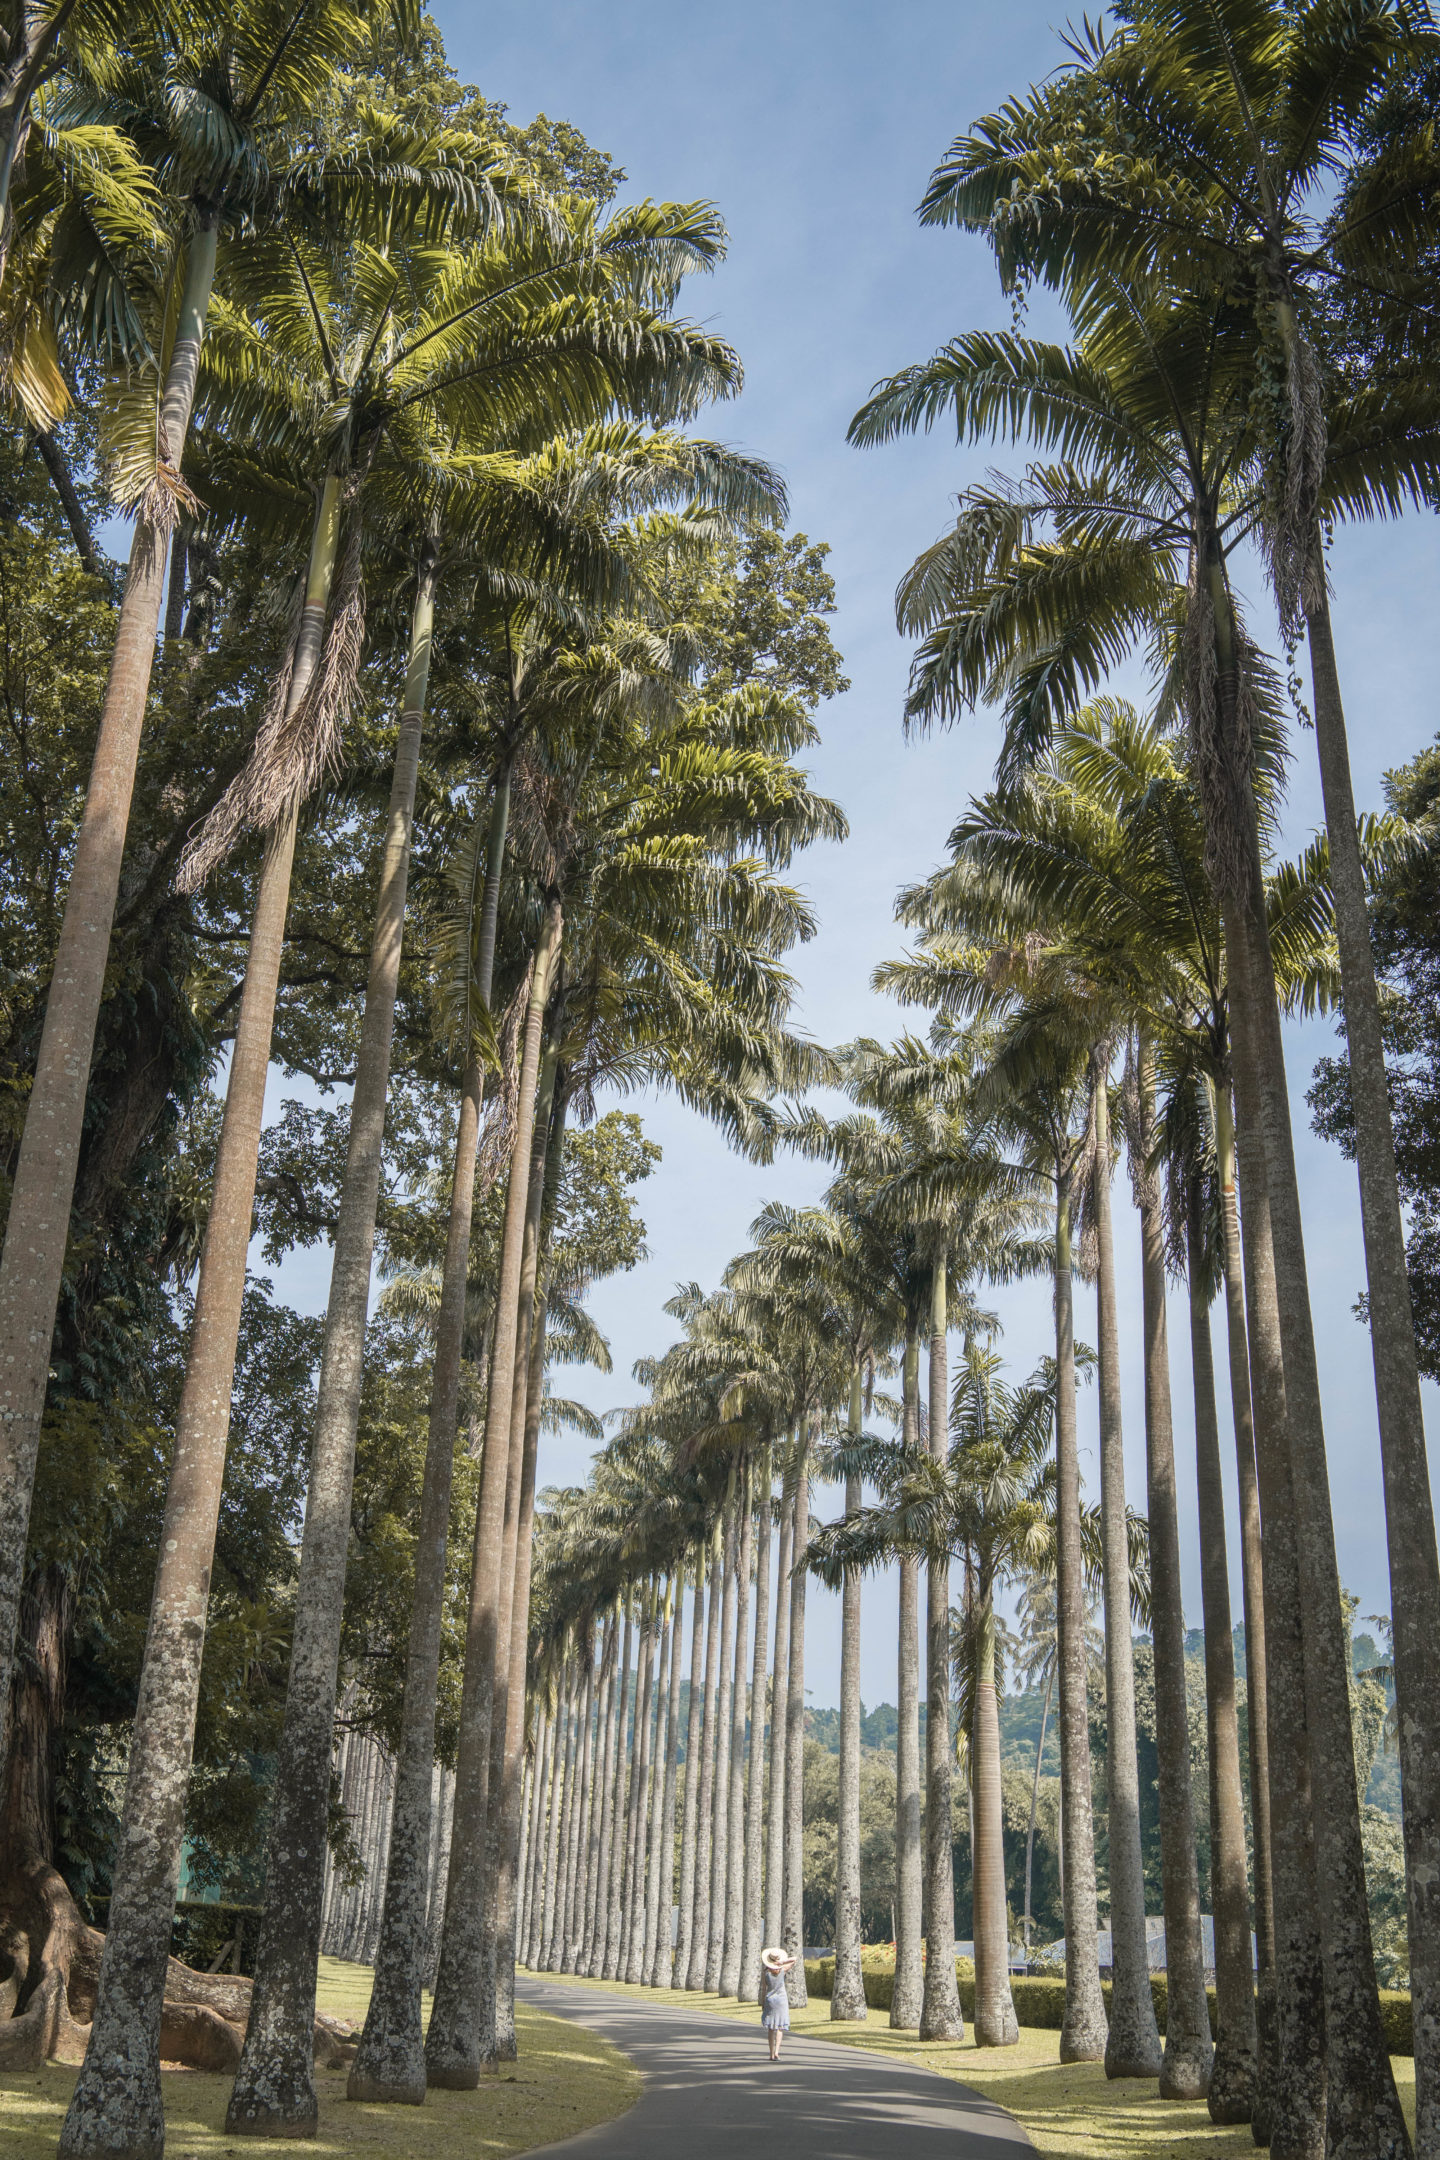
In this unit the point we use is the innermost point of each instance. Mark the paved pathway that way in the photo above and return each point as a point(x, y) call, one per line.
point(711, 2093)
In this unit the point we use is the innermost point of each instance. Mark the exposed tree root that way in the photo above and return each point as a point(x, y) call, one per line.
point(49, 1968)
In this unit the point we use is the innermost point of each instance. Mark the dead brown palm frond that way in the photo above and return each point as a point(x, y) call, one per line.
point(496, 1135)
point(297, 746)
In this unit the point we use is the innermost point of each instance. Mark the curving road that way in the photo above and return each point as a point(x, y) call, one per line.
point(711, 2092)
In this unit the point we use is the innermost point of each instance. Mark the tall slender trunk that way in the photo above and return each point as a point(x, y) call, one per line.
point(452, 2043)
point(533, 1836)
point(115, 2107)
point(595, 1810)
point(847, 1998)
point(634, 1925)
point(909, 1989)
point(595, 1893)
point(274, 2089)
point(748, 1984)
point(792, 1904)
point(720, 1818)
point(735, 1812)
point(690, 1829)
point(1082, 2036)
point(37, 1229)
point(779, 1667)
point(1232, 2078)
point(657, 1785)
point(658, 1971)
point(995, 2021)
point(1133, 2046)
point(1035, 1806)
point(564, 1766)
point(700, 1919)
point(575, 1900)
point(496, 2020)
point(512, 1765)
point(391, 2054)
point(1252, 1577)
point(610, 1942)
point(1189, 2050)
point(1409, 1509)
point(940, 2013)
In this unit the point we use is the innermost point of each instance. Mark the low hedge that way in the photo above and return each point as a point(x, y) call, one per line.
point(1040, 2004)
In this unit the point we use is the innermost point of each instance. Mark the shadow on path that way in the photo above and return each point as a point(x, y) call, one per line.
point(711, 2093)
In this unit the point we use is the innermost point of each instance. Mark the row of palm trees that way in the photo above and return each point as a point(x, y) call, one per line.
point(391, 362)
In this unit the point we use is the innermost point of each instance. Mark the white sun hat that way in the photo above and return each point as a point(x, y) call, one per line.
point(772, 1958)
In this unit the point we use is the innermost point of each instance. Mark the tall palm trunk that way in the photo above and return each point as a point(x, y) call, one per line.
point(38, 1226)
point(1232, 2077)
point(690, 1829)
point(909, 1988)
point(1082, 2036)
point(660, 1887)
point(274, 2089)
point(115, 2107)
point(1362, 2108)
point(610, 1948)
point(847, 1999)
point(1035, 1807)
point(452, 2043)
point(391, 2053)
point(995, 2021)
point(700, 1920)
point(1133, 2046)
point(539, 1793)
point(595, 1889)
point(748, 1985)
point(739, 1705)
point(720, 1820)
point(513, 1762)
point(595, 1800)
point(560, 1790)
point(779, 1666)
point(1409, 1510)
point(792, 1905)
point(575, 1903)
point(1189, 2050)
point(634, 1937)
point(940, 2013)
point(497, 2023)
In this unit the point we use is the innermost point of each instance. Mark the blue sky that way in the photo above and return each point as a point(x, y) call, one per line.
point(814, 127)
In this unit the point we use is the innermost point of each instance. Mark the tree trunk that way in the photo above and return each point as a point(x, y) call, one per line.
point(792, 1906)
point(720, 1816)
point(1133, 2046)
point(735, 1811)
point(564, 1768)
point(274, 2089)
point(657, 1785)
point(940, 2013)
point(1082, 2036)
point(452, 2043)
point(748, 1984)
point(995, 2021)
point(1189, 2050)
point(534, 1844)
point(1409, 1510)
point(507, 1882)
point(595, 1805)
point(847, 1998)
point(690, 1829)
point(657, 1971)
point(1034, 1807)
point(779, 1666)
point(1232, 2078)
point(54, 460)
point(38, 1225)
point(909, 1989)
point(1252, 1574)
point(637, 1869)
point(610, 1938)
point(575, 1902)
point(115, 2108)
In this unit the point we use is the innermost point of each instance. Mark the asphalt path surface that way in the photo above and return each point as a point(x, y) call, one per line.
point(711, 2092)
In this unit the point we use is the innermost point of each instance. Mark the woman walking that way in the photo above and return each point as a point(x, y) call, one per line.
point(774, 2008)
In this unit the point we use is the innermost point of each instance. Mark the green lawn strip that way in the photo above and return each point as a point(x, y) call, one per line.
point(567, 2079)
point(1071, 2111)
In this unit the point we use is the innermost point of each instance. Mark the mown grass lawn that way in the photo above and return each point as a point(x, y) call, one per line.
point(566, 2080)
point(1072, 2111)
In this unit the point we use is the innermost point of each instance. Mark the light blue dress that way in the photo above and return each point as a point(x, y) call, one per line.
point(774, 2003)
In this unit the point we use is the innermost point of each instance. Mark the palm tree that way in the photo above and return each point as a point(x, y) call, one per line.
point(249, 81)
